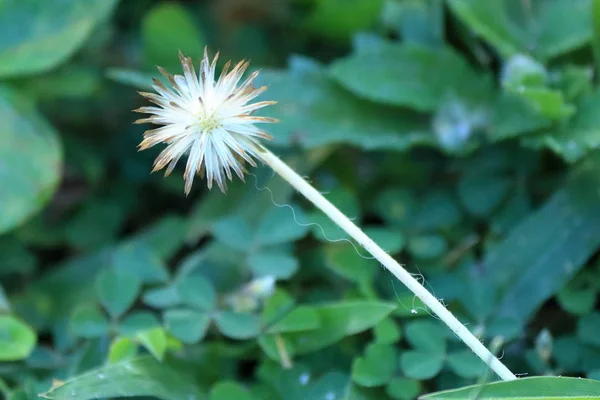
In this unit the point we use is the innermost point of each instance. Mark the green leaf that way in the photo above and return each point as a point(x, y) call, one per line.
point(482, 193)
point(161, 42)
point(391, 240)
point(30, 156)
point(197, 292)
point(421, 364)
point(376, 367)
point(88, 321)
point(427, 335)
point(344, 260)
point(234, 232)
point(229, 390)
point(550, 255)
point(403, 389)
point(427, 247)
point(539, 387)
point(155, 341)
point(300, 319)
point(279, 226)
point(409, 75)
point(238, 325)
point(577, 138)
point(339, 320)
point(189, 326)
point(438, 210)
point(317, 112)
point(577, 302)
point(274, 262)
point(466, 364)
point(162, 297)
point(45, 35)
point(419, 21)
point(141, 260)
point(140, 377)
point(17, 340)
point(387, 332)
point(588, 327)
point(338, 19)
point(117, 289)
point(121, 349)
point(323, 228)
point(137, 321)
point(561, 25)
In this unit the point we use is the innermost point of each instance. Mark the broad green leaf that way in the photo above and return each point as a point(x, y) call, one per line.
point(391, 240)
point(396, 206)
point(387, 332)
point(316, 112)
point(197, 291)
point(403, 388)
point(537, 258)
point(143, 376)
point(339, 320)
point(229, 390)
point(155, 341)
point(300, 319)
point(427, 335)
point(30, 156)
point(137, 321)
point(595, 12)
point(408, 75)
point(376, 367)
point(117, 289)
point(466, 364)
point(121, 349)
point(567, 352)
point(280, 225)
point(94, 225)
point(323, 227)
point(88, 321)
point(482, 193)
point(17, 340)
point(234, 232)
point(539, 387)
point(162, 297)
point(427, 247)
point(588, 327)
point(189, 326)
point(45, 34)
point(338, 19)
point(438, 210)
point(141, 260)
point(577, 138)
point(238, 325)
point(344, 260)
point(561, 25)
point(161, 42)
point(419, 21)
point(421, 364)
point(273, 262)
point(577, 302)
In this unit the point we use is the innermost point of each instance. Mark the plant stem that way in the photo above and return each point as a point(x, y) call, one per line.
point(388, 262)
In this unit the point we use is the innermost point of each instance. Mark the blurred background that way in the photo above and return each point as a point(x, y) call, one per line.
point(460, 134)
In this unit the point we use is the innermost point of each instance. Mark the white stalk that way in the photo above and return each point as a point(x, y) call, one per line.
point(388, 262)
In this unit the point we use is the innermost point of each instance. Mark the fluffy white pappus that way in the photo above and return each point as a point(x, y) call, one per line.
point(208, 120)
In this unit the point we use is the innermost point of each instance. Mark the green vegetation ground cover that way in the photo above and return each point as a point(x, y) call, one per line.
point(462, 134)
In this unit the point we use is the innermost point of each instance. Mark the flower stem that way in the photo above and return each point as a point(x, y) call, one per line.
point(388, 262)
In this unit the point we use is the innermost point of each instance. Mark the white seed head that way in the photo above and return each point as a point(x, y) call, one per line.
point(209, 120)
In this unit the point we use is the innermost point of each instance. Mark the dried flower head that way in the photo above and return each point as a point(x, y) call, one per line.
point(210, 121)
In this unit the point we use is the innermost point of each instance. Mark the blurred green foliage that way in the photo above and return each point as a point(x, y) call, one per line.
point(462, 134)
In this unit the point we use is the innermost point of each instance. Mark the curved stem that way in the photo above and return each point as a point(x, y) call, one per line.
point(388, 262)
